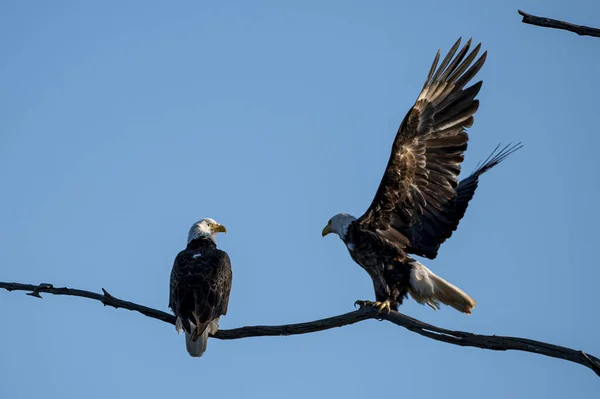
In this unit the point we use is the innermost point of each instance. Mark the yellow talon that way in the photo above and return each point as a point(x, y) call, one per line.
point(381, 306)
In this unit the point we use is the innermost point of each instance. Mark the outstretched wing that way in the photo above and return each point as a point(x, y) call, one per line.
point(422, 173)
point(200, 287)
point(436, 226)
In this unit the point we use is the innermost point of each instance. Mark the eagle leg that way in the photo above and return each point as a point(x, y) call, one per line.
point(383, 306)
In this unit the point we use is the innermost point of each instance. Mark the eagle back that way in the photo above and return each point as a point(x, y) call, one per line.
point(200, 283)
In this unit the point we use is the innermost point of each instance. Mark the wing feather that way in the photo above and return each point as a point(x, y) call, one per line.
point(440, 220)
point(424, 164)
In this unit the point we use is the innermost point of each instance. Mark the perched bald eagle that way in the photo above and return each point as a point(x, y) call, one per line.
point(420, 201)
point(200, 285)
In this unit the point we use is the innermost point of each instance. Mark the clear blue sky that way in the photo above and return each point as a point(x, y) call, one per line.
point(121, 125)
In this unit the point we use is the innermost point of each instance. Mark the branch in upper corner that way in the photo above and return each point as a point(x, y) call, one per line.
point(491, 342)
point(556, 24)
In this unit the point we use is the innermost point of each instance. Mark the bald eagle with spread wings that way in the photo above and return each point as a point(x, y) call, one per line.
point(420, 200)
point(200, 285)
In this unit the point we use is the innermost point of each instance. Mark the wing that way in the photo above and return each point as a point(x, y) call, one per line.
point(421, 174)
point(200, 286)
point(437, 226)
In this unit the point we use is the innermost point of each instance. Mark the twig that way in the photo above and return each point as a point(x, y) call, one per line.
point(491, 342)
point(556, 24)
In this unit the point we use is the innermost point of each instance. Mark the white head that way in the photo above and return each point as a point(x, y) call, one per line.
point(206, 228)
point(338, 225)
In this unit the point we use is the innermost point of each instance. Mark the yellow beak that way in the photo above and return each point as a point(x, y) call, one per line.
point(326, 230)
point(220, 229)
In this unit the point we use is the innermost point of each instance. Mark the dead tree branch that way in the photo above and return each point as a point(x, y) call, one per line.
point(491, 342)
point(556, 24)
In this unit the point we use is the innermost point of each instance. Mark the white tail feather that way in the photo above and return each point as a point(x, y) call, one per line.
point(198, 347)
point(430, 289)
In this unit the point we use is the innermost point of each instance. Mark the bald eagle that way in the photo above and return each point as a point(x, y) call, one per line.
point(200, 285)
point(420, 201)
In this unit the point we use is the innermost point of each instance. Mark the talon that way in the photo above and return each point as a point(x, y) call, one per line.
point(381, 306)
point(362, 304)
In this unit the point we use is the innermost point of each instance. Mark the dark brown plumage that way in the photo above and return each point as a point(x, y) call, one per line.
point(420, 201)
point(199, 291)
point(436, 225)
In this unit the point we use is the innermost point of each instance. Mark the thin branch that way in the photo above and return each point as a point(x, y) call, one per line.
point(491, 342)
point(581, 30)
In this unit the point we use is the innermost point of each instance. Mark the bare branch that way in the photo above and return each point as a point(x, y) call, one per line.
point(556, 24)
point(106, 299)
point(491, 342)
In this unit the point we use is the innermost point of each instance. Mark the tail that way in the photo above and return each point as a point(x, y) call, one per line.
point(428, 288)
point(196, 347)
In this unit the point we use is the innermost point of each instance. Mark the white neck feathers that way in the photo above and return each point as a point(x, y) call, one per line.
point(201, 231)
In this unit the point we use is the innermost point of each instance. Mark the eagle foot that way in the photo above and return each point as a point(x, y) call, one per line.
point(360, 304)
point(381, 306)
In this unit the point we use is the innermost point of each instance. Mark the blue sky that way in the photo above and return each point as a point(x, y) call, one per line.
point(121, 125)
